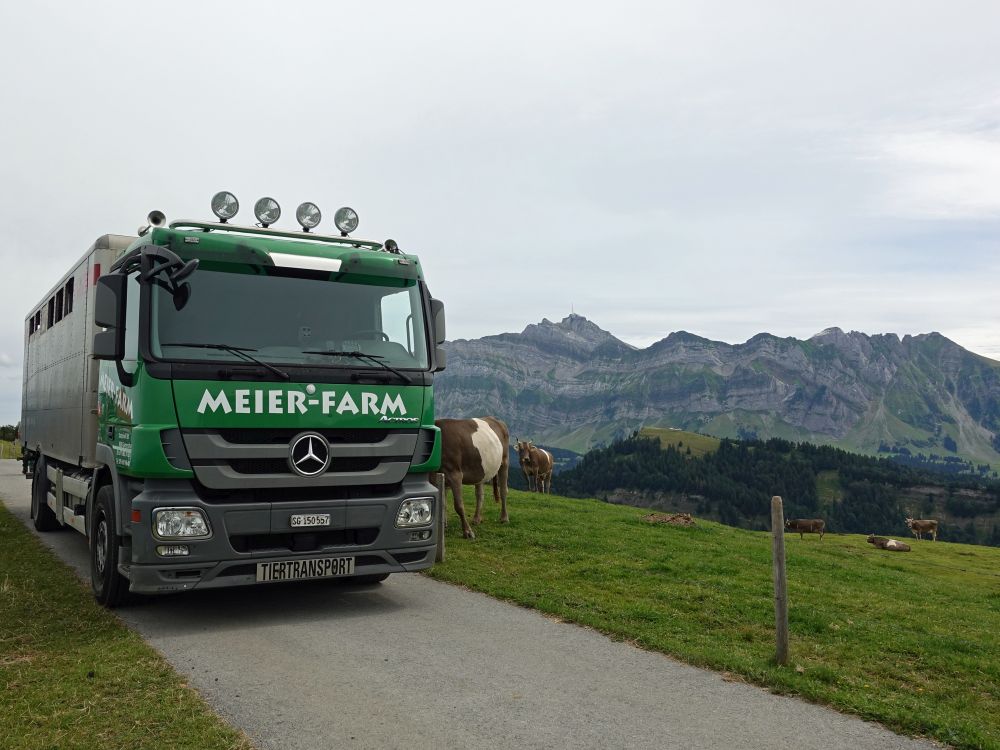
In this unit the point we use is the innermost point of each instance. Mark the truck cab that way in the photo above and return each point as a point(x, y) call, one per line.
point(264, 412)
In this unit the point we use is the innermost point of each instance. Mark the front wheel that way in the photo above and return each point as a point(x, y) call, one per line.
point(42, 515)
point(110, 587)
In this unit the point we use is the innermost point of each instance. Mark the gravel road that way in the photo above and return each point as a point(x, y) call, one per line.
point(413, 663)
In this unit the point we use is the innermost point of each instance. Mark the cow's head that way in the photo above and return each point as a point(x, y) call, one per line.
point(788, 523)
point(909, 523)
point(523, 448)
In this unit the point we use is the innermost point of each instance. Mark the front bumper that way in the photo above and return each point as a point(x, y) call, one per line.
point(246, 533)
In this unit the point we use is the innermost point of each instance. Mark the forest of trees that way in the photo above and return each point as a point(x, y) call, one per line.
point(736, 482)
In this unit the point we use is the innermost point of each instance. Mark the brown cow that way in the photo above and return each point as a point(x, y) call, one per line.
point(924, 526)
point(890, 544)
point(536, 463)
point(806, 526)
point(474, 451)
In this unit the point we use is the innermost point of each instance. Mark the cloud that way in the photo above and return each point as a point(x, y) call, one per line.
point(943, 175)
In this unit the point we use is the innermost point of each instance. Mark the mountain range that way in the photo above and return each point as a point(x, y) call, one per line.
point(573, 385)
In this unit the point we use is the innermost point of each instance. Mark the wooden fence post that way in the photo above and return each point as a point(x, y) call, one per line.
point(780, 585)
point(442, 517)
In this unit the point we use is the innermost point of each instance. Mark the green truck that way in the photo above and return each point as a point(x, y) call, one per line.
point(221, 405)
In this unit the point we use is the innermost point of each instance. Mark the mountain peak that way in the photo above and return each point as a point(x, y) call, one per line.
point(574, 331)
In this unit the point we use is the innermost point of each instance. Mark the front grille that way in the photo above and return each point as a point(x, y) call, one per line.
point(425, 446)
point(312, 541)
point(283, 436)
point(230, 458)
point(245, 494)
point(280, 465)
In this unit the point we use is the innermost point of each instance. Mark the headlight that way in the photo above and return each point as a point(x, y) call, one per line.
point(267, 211)
point(180, 523)
point(308, 215)
point(417, 511)
point(225, 206)
point(346, 219)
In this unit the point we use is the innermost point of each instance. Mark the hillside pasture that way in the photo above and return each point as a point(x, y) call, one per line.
point(699, 444)
point(911, 640)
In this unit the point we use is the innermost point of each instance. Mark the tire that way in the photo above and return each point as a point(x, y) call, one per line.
point(43, 516)
point(110, 587)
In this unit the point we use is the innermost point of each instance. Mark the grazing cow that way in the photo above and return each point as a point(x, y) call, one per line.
point(536, 463)
point(806, 526)
point(890, 544)
point(474, 451)
point(925, 526)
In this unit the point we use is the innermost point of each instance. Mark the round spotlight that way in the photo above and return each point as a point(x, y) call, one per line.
point(225, 206)
point(308, 215)
point(346, 220)
point(267, 211)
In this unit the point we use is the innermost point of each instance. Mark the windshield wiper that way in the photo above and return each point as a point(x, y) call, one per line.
point(236, 351)
point(373, 358)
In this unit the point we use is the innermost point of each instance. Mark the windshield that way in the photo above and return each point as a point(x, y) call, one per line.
point(291, 317)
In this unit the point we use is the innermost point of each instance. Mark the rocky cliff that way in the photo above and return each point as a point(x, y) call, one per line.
point(574, 385)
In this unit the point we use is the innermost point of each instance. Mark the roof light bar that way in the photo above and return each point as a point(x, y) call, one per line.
point(225, 206)
point(308, 215)
point(267, 211)
point(346, 220)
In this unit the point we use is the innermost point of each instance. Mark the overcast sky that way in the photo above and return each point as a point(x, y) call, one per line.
point(721, 168)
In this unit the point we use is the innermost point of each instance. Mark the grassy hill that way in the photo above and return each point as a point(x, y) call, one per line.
point(733, 481)
point(911, 640)
point(8, 449)
point(682, 440)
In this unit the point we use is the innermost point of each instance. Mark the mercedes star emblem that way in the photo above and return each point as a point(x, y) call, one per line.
point(309, 454)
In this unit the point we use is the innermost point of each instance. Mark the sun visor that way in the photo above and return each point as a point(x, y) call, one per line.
point(305, 262)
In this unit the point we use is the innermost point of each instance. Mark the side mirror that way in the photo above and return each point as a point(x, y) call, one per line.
point(440, 359)
point(109, 302)
point(437, 310)
point(109, 313)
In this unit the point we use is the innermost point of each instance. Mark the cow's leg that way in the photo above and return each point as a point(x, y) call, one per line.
point(496, 490)
point(933, 535)
point(477, 518)
point(500, 482)
point(455, 482)
point(802, 535)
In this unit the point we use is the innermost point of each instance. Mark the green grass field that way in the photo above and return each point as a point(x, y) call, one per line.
point(681, 439)
point(9, 450)
point(73, 676)
point(911, 640)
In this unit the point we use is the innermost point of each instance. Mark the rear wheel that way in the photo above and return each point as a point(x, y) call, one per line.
point(110, 587)
point(43, 516)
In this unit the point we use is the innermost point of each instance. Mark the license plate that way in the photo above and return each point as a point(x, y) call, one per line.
point(310, 519)
point(297, 570)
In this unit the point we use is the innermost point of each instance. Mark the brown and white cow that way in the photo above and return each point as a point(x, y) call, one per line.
point(806, 526)
point(474, 451)
point(890, 544)
point(923, 526)
point(536, 463)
